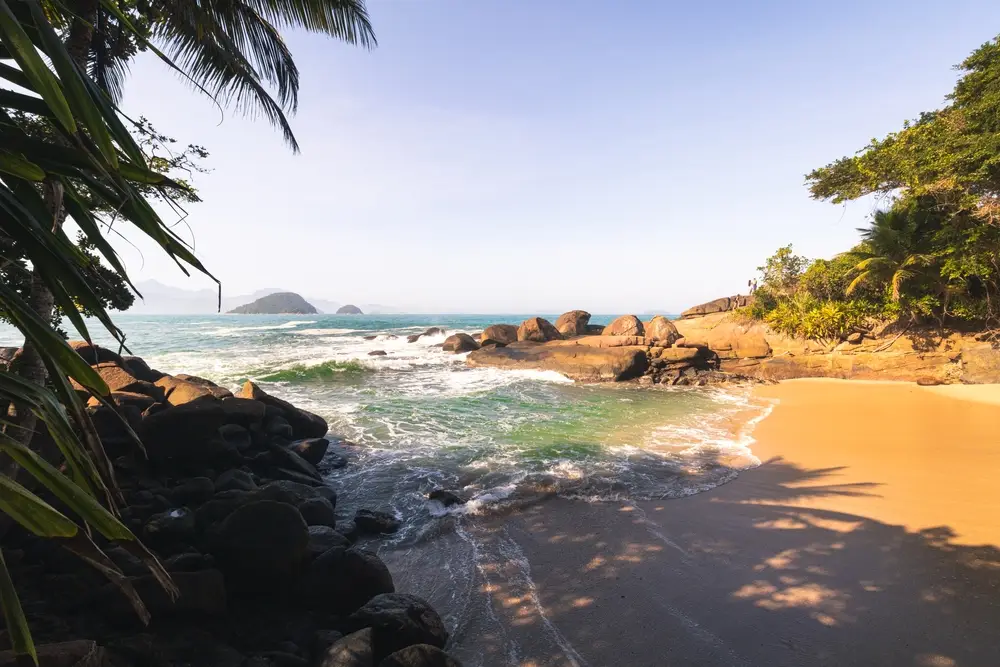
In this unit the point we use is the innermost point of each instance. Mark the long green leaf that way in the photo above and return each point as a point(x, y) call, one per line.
point(32, 512)
point(17, 625)
point(41, 78)
point(16, 165)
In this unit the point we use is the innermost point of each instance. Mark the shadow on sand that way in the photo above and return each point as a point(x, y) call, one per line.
point(745, 574)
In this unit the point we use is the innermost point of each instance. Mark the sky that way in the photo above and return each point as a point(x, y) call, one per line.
point(498, 156)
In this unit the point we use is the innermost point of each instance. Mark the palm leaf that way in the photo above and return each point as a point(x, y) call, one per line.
point(17, 624)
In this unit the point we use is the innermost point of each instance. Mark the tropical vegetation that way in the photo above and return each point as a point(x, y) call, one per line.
point(931, 252)
point(68, 153)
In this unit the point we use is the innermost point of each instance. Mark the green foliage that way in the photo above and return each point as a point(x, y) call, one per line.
point(782, 270)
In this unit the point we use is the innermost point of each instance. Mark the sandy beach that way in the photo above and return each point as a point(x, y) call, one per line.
point(868, 536)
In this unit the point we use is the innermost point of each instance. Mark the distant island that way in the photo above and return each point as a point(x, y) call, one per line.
point(349, 309)
point(279, 303)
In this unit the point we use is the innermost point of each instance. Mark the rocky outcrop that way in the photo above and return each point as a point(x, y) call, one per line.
point(349, 309)
point(234, 507)
point(460, 342)
point(626, 325)
point(579, 362)
point(573, 323)
point(537, 330)
point(722, 305)
point(279, 303)
point(499, 333)
point(980, 364)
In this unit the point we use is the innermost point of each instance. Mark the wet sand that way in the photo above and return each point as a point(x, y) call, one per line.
point(869, 536)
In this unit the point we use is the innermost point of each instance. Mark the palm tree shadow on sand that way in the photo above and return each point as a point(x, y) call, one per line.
point(745, 574)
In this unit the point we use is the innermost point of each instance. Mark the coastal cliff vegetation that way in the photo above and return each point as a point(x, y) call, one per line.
point(931, 252)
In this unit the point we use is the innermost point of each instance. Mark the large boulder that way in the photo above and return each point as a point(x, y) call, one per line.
point(243, 411)
point(981, 365)
point(661, 330)
point(460, 342)
point(312, 450)
point(318, 512)
point(304, 423)
point(217, 391)
point(537, 330)
point(262, 544)
point(341, 580)
point(185, 434)
point(574, 359)
point(573, 323)
point(95, 354)
point(399, 620)
point(375, 522)
point(626, 325)
point(420, 655)
point(178, 391)
point(499, 333)
point(324, 538)
point(140, 369)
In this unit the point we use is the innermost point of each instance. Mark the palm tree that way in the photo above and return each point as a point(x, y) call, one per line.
point(895, 250)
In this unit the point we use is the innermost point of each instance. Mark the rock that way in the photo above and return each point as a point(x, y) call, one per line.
point(499, 333)
point(661, 329)
point(377, 353)
point(281, 463)
point(626, 325)
point(341, 580)
point(434, 331)
point(354, 650)
point(573, 323)
point(217, 391)
point(928, 381)
point(413, 338)
point(318, 512)
point(126, 562)
point(349, 309)
point(76, 653)
point(140, 369)
point(201, 592)
point(235, 479)
point(183, 434)
point(236, 435)
point(305, 424)
point(312, 450)
point(722, 305)
point(188, 561)
point(293, 493)
point(262, 544)
point(324, 538)
point(399, 620)
point(115, 376)
point(279, 427)
point(95, 354)
point(420, 655)
point(980, 365)
point(446, 498)
point(538, 330)
point(126, 399)
point(579, 362)
point(178, 391)
point(173, 526)
point(243, 411)
point(460, 342)
point(855, 337)
point(348, 529)
point(375, 522)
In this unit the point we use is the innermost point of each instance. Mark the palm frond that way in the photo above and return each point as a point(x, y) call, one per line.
point(346, 20)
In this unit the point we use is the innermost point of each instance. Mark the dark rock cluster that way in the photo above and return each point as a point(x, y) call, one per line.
point(229, 497)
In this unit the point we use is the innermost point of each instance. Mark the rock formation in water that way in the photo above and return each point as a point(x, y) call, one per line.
point(230, 495)
point(279, 303)
point(349, 309)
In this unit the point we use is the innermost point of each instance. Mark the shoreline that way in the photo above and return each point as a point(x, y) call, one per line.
point(829, 553)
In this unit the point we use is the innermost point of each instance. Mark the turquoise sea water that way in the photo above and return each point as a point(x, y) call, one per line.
point(421, 419)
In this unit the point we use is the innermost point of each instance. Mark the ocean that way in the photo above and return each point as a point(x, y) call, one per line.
point(419, 419)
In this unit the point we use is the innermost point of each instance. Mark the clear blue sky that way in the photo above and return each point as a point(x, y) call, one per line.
point(497, 156)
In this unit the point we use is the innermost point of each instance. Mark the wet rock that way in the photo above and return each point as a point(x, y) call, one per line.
point(420, 655)
point(341, 580)
point(261, 544)
point(236, 479)
point(304, 423)
point(399, 620)
point(312, 450)
point(375, 522)
point(324, 538)
point(173, 526)
point(348, 529)
point(460, 342)
point(377, 353)
point(318, 512)
point(354, 650)
point(446, 498)
point(413, 338)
